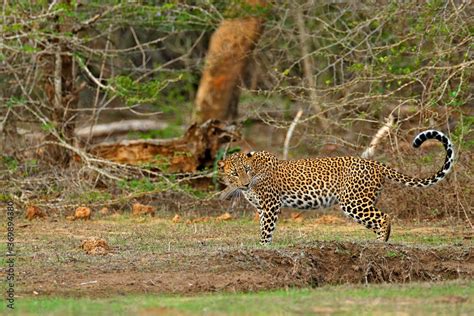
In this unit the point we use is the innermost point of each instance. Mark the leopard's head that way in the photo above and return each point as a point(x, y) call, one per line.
point(241, 171)
point(236, 172)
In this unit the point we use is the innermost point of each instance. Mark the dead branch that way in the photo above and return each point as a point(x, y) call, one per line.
point(58, 69)
point(197, 148)
point(308, 68)
point(290, 133)
point(384, 130)
point(120, 127)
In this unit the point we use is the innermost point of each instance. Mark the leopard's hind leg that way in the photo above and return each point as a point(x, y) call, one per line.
point(370, 217)
point(358, 201)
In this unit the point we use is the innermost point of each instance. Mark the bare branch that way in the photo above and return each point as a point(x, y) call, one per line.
point(381, 133)
point(290, 133)
point(119, 127)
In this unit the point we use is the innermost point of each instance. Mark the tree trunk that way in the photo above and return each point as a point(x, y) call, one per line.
point(62, 95)
point(218, 95)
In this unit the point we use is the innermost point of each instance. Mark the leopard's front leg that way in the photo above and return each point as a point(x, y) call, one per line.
point(268, 220)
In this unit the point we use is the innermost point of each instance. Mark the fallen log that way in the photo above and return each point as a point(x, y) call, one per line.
point(120, 127)
point(196, 149)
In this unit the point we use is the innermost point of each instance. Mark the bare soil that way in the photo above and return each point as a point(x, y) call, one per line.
point(53, 264)
point(250, 270)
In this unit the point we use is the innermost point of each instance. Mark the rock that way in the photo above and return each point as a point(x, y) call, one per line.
point(176, 218)
point(82, 212)
point(104, 211)
point(33, 211)
point(224, 217)
point(95, 246)
point(141, 209)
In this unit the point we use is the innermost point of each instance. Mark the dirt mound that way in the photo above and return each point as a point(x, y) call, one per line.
point(95, 246)
point(336, 263)
point(259, 269)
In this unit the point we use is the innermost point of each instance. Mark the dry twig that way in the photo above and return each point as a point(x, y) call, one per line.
point(290, 133)
point(384, 130)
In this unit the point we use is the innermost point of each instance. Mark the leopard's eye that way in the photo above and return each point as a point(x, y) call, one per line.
point(247, 168)
point(234, 173)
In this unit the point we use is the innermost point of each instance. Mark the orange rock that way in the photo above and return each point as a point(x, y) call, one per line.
point(176, 218)
point(224, 217)
point(82, 212)
point(95, 246)
point(104, 211)
point(33, 211)
point(141, 209)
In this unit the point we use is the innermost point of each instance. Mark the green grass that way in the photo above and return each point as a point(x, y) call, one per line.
point(140, 235)
point(449, 298)
point(3, 251)
point(166, 246)
point(90, 197)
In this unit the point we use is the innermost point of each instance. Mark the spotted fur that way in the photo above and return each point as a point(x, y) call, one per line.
point(354, 183)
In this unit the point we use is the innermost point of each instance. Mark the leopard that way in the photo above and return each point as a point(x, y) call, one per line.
point(269, 183)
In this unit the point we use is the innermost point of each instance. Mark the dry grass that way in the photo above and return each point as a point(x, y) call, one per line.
point(152, 250)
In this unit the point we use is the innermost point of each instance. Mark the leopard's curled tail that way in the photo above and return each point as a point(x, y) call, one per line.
point(394, 175)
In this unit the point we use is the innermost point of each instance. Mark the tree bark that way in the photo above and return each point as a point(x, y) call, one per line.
point(62, 94)
point(117, 128)
point(218, 95)
point(308, 68)
point(196, 150)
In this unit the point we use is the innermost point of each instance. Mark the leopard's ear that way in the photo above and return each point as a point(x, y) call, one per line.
point(221, 164)
point(250, 154)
